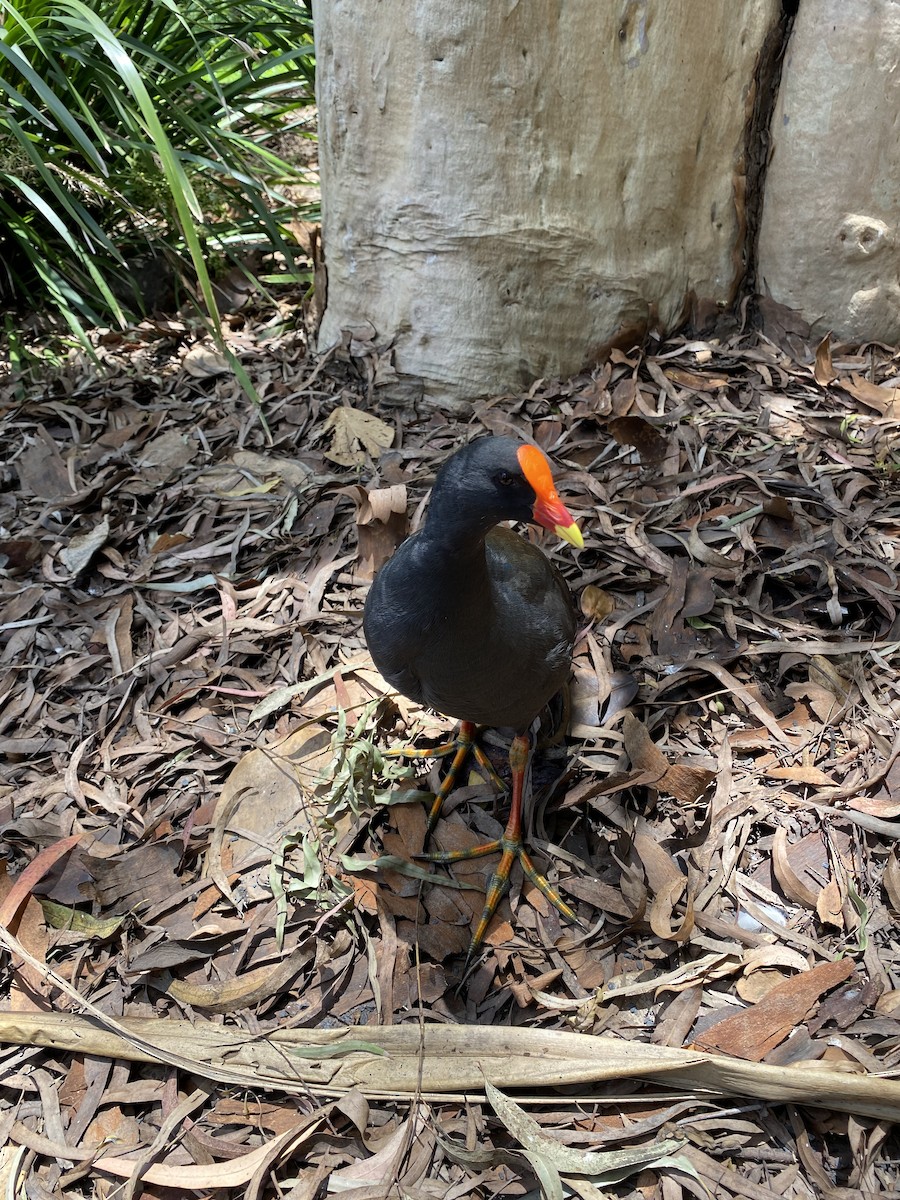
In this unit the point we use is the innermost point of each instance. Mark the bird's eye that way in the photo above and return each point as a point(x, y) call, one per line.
point(505, 478)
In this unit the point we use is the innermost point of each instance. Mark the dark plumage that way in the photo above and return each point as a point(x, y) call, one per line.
point(472, 619)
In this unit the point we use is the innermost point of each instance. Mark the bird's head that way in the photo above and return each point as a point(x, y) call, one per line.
point(502, 479)
point(548, 510)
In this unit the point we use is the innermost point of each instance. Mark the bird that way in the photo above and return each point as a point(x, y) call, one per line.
point(470, 619)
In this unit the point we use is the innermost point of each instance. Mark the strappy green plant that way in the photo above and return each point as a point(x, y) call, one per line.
point(130, 129)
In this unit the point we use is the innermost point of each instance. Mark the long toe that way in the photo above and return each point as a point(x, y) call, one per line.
point(511, 848)
point(461, 746)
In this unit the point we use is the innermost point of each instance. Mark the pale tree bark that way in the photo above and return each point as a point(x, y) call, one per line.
point(830, 236)
point(510, 186)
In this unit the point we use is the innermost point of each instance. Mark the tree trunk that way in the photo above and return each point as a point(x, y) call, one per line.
point(508, 188)
point(830, 237)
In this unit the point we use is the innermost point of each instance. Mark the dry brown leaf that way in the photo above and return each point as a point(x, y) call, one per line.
point(807, 774)
point(584, 699)
point(685, 782)
point(596, 603)
point(356, 434)
point(382, 524)
point(392, 1162)
point(228, 1174)
point(203, 362)
point(884, 400)
point(636, 538)
point(821, 699)
point(752, 1034)
point(662, 912)
point(887, 809)
point(700, 552)
point(888, 1004)
point(823, 371)
point(792, 886)
point(762, 957)
point(695, 381)
point(82, 548)
point(171, 451)
point(643, 752)
point(131, 881)
point(246, 990)
point(41, 469)
point(269, 792)
point(23, 916)
point(891, 879)
point(754, 987)
point(829, 904)
point(823, 671)
point(28, 991)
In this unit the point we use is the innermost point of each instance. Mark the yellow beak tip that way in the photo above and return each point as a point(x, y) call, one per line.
point(571, 534)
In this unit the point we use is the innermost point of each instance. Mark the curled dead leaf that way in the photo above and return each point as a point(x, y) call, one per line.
point(823, 371)
point(82, 548)
point(356, 434)
point(886, 809)
point(382, 524)
point(753, 987)
point(596, 603)
point(884, 400)
point(807, 774)
point(694, 380)
point(249, 988)
point(888, 1004)
point(891, 879)
point(641, 748)
point(202, 362)
point(684, 782)
point(830, 903)
point(662, 917)
point(791, 884)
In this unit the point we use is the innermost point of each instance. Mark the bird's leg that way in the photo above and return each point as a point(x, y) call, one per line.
point(510, 848)
point(462, 745)
point(462, 748)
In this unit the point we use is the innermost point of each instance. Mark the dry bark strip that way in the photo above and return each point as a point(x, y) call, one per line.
point(443, 1060)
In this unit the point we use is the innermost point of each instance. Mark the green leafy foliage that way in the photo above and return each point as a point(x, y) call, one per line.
point(140, 142)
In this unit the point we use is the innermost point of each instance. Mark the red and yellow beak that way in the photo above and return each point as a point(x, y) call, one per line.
point(548, 510)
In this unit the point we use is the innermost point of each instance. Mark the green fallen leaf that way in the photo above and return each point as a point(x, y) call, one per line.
point(61, 916)
point(392, 862)
point(347, 1047)
point(539, 1146)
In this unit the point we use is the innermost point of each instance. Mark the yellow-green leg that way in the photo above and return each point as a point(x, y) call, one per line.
point(509, 846)
point(461, 746)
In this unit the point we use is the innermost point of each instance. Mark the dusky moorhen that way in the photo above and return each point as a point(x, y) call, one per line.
point(475, 622)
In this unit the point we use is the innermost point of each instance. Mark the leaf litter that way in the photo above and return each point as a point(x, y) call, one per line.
point(225, 969)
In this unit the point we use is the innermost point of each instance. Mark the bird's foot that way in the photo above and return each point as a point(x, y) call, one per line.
point(510, 848)
point(461, 746)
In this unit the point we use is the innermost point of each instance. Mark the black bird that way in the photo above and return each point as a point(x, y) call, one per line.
point(474, 621)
